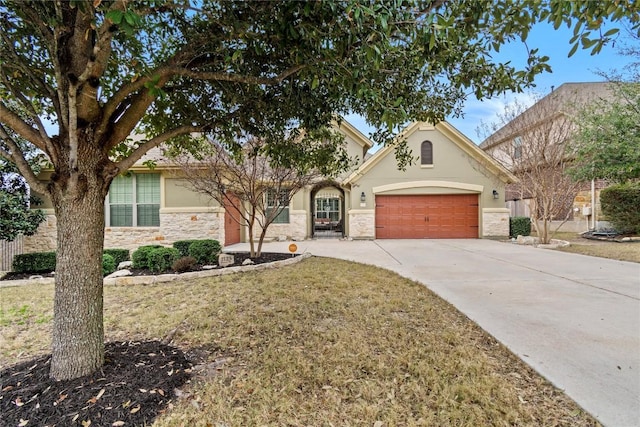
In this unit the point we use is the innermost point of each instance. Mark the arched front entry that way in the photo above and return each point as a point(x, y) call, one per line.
point(327, 210)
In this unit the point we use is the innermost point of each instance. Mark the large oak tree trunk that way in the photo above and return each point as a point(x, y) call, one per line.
point(78, 332)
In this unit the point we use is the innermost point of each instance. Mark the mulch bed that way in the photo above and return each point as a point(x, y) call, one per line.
point(135, 385)
point(239, 257)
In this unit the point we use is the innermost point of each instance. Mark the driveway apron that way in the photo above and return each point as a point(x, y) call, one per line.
point(573, 318)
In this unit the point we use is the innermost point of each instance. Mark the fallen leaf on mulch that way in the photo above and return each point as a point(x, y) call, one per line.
point(30, 398)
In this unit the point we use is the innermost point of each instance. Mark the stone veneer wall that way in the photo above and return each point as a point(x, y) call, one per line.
point(495, 222)
point(296, 229)
point(362, 224)
point(45, 238)
point(184, 225)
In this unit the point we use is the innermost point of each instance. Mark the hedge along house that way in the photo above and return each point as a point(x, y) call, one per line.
point(454, 190)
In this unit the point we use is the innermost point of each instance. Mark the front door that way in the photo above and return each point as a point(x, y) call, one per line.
point(231, 221)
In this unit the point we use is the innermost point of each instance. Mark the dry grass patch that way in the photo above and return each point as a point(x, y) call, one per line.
point(323, 342)
point(623, 251)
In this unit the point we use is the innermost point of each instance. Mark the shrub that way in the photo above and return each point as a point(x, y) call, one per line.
point(161, 259)
point(119, 255)
point(183, 264)
point(205, 251)
point(140, 256)
point(108, 264)
point(37, 262)
point(519, 226)
point(621, 204)
point(183, 246)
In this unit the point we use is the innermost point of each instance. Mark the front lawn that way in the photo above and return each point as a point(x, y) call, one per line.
point(319, 343)
point(623, 251)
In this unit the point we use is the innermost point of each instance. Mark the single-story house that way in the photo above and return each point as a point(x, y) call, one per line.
point(453, 190)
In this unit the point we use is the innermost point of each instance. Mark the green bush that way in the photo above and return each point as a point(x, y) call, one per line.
point(205, 251)
point(108, 264)
point(183, 246)
point(621, 205)
point(519, 226)
point(37, 262)
point(140, 256)
point(119, 255)
point(183, 264)
point(161, 259)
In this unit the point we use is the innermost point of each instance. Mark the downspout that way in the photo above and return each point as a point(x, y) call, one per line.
point(593, 204)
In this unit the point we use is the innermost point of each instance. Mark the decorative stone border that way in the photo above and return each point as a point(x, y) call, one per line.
point(164, 278)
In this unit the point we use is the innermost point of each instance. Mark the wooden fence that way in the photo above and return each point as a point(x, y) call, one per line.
point(8, 250)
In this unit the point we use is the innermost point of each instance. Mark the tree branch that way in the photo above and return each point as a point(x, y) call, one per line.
point(115, 102)
point(137, 154)
point(30, 110)
point(16, 156)
point(166, 73)
point(14, 122)
point(235, 78)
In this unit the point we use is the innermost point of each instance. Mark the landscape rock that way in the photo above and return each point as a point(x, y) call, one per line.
point(120, 273)
point(35, 276)
point(124, 264)
point(225, 260)
point(209, 267)
point(526, 240)
point(247, 261)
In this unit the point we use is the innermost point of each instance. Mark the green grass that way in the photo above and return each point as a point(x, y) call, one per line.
point(319, 343)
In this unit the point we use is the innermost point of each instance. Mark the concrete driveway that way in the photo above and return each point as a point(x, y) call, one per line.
point(573, 318)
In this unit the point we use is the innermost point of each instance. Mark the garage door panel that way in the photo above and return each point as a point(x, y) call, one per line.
point(427, 216)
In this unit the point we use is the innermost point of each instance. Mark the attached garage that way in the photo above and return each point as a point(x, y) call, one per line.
point(440, 216)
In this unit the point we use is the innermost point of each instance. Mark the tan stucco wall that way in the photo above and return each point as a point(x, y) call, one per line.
point(354, 150)
point(177, 193)
point(453, 172)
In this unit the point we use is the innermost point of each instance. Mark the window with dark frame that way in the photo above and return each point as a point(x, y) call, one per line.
point(426, 153)
point(134, 201)
point(280, 201)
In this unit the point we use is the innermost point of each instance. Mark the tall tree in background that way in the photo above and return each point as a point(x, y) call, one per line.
point(607, 143)
point(100, 70)
point(533, 146)
point(16, 217)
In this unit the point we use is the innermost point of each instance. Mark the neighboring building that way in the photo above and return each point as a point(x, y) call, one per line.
point(506, 145)
point(455, 190)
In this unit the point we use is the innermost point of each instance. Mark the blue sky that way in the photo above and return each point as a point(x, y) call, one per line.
point(581, 67)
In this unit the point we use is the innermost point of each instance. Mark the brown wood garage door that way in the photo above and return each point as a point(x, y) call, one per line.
point(442, 216)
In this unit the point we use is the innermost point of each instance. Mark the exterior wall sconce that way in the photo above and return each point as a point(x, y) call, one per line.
point(363, 197)
point(495, 194)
